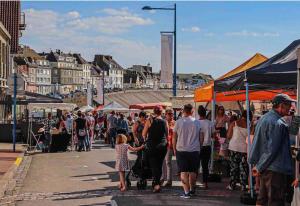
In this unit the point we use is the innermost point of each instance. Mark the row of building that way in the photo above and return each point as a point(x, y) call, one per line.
point(63, 73)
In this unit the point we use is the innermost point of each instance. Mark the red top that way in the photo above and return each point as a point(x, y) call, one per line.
point(170, 135)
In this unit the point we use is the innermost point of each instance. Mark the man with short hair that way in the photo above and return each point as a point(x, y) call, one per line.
point(49, 123)
point(112, 127)
point(186, 146)
point(270, 153)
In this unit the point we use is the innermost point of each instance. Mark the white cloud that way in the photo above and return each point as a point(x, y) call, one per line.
point(246, 33)
point(191, 29)
point(49, 29)
point(117, 12)
point(74, 14)
point(115, 21)
point(109, 24)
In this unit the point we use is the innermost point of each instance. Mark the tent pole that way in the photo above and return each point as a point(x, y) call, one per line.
point(298, 108)
point(213, 117)
point(206, 105)
point(240, 106)
point(195, 107)
point(248, 134)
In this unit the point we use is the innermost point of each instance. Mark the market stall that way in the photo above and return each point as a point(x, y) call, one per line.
point(114, 106)
point(149, 106)
point(281, 72)
point(87, 108)
point(206, 92)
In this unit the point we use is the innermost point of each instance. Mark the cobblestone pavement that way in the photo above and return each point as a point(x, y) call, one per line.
point(7, 159)
point(16, 183)
point(89, 178)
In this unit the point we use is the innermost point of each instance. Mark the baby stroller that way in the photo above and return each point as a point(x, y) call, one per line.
point(140, 170)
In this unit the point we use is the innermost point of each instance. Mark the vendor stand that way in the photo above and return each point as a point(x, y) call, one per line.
point(59, 140)
point(280, 73)
point(206, 94)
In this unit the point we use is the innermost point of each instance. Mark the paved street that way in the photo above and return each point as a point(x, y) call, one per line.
point(88, 178)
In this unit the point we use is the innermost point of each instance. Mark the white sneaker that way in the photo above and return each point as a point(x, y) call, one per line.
point(185, 196)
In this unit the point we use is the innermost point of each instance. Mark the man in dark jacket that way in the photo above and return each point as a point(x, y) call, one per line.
point(270, 153)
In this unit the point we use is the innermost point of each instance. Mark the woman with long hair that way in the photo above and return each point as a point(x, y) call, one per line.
point(221, 122)
point(237, 134)
point(167, 166)
point(138, 128)
point(156, 133)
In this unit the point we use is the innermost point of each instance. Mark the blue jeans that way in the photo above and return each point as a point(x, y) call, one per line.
point(87, 142)
point(81, 144)
point(112, 135)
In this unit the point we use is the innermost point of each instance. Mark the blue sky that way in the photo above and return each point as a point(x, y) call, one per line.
point(213, 37)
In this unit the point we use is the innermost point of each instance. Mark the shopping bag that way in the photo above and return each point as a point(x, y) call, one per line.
point(296, 197)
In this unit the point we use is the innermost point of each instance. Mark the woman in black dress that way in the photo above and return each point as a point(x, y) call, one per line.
point(155, 133)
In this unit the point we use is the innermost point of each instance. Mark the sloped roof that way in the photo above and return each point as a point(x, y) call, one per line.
point(95, 70)
point(29, 52)
point(80, 59)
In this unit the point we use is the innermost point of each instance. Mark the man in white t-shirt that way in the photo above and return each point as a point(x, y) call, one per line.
point(186, 146)
point(207, 131)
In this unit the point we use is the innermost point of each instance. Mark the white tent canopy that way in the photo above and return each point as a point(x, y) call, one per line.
point(87, 108)
point(114, 106)
point(62, 106)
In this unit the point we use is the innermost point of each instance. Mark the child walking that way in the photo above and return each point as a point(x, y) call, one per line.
point(122, 163)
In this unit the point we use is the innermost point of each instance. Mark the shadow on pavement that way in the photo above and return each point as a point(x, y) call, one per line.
point(95, 204)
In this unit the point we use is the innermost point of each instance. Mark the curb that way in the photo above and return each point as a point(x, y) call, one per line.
point(7, 178)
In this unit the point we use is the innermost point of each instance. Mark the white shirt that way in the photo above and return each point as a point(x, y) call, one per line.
point(207, 128)
point(238, 140)
point(188, 134)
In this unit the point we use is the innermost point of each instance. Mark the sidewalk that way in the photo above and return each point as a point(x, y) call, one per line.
point(89, 178)
point(9, 161)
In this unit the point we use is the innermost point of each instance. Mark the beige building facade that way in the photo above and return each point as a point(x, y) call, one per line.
point(5, 70)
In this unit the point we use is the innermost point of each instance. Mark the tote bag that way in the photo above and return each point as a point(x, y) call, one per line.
point(296, 197)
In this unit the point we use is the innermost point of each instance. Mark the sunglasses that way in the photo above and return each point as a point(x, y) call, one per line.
point(170, 113)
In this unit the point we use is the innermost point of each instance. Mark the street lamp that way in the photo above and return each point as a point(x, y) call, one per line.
point(147, 8)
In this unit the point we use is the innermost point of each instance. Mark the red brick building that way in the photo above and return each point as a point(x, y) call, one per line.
point(13, 21)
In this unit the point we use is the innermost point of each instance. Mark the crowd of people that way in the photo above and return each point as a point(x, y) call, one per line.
point(163, 136)
point(79, 130)
point(190, 141)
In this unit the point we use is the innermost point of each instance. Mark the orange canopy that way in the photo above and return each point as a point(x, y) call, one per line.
point(253, 95)
point(205, 93)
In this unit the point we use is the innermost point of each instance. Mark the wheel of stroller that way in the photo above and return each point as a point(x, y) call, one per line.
point(141, 184)
point(138, 185)
point(144, 184)
point(128, 184)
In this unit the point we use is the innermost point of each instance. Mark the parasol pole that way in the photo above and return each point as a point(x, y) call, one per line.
point(213, 117)
point(298, 109)
point(248, 133)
